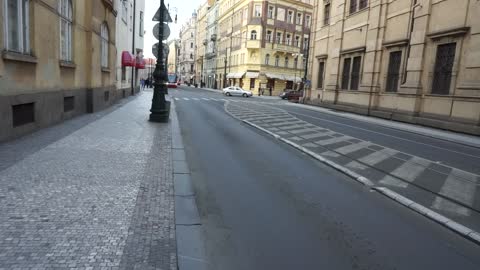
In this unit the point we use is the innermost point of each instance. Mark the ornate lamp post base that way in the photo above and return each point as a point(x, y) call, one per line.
point(160, 115)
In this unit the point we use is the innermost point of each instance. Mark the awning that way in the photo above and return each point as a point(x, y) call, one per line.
point(295, 79)
point(234, 75)
point(252, 75)
point(275, 76)
point(140, 64)
point(128, 60)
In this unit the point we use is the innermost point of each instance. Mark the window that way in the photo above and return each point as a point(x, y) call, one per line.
point(17, 26)
point(393, 71)
point(326, 14)
point(258, 11)
point(281, 14)
point(253, 35)
point(191, 45)
point(308, 20)
point(321, 71)
point(290, 16)
point(279, 38)
point(286, 62)
point(124, 12)
point(252, 83)
point(442, 74)
point(357, 5)
point(191, 68)
point(295, 62)
point(104, 45)
point(297, 41)
point(299, 18)
point(277, 61)
point(351, 73)
point(66, 19)
point(191, 56)
point(269, 36)
point(245, 14)
point(141, 24)
point(267, 59)
point(305, 43)
point(191, 34)
point(271, 12)
point(288, 39)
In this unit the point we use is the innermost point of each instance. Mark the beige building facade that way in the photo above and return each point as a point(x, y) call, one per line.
point(49, 76)
point(186, 59)
point(200, 43)
point(412, 61)
point(261, 45)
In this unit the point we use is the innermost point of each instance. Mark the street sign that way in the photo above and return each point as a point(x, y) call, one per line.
point(166, 31)
point(166, 15)
point(155, 50)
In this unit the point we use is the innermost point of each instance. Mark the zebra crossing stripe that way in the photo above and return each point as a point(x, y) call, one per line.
point(195, 99)
point(408, 171)
point(378, 156)
point(185, 98)
point(205, 98)
point(462, 190)
point(333, 140)
point(352, 147)
point(177, 98)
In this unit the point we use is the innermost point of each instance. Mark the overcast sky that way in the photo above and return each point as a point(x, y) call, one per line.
point(185, 9)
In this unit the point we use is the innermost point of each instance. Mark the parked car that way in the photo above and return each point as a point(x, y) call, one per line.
point(236, 91)
point(291, 95)
point(171, 85)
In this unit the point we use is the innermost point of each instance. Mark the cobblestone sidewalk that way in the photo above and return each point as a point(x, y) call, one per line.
point(99, 197)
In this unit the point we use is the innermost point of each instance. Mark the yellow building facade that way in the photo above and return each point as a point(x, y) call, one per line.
point(412, 61)
point(58, 60)
point(261, 45)
point(200, 43)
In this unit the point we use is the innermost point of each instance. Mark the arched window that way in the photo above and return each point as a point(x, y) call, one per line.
point(267, 59)
point(277, 61)
point(253, 35)
point(286, 62)
point(104, 44)
point(66, 19)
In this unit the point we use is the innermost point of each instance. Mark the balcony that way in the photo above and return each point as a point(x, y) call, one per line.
point(253, 44)
point(285, 48)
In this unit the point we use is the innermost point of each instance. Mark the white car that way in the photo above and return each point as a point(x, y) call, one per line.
point(236, 91)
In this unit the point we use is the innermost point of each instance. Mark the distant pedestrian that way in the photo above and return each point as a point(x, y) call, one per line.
point(147, 83)
point(142, 83)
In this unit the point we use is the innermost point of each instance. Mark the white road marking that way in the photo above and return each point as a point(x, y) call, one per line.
point(378, 156)
point(352, 147)
point(461, 190)
point(333, 140)
point(205, 98)
point(317, 135)
point(185, 98)
point(392, 181)
point(388, 135)
point(195, 99)
point(356, 165)
point(177, 98)
point(302, 130)
point(448, 206)
point(411, 169)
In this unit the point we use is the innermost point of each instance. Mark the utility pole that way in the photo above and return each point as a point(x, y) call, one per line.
point(133, 47)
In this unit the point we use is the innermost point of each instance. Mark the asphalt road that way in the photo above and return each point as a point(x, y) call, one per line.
point(264, 205)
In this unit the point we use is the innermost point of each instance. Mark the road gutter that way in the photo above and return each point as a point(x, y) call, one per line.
point(464, 231)
point(188, 227)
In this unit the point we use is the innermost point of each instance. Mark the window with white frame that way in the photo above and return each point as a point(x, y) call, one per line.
point(253, 35)
point(104, 35)
point(290, 16)
point(286, 62)
point(308, 20)
point(17, 26)
point(279, 38)
point(297, 41)
point(288, 39)
point(269, 36)
point(271, 12)
point(141, 24)
point(299, 18)
point(277, 61)
point(66, 19)
point(124, 11)
point(267, 59)
point(258, 10)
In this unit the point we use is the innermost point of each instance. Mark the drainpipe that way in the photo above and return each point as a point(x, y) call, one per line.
point(133, 46)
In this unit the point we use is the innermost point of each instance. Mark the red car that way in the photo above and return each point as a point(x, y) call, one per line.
point(171, 85)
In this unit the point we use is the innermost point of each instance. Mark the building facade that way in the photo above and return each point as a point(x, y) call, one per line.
point(129, 26)
point(262, 44)
point(412, 61)
point(186, 59)
point(210, 63)
point(49, 76)
point(200, 43)
point(172, 60)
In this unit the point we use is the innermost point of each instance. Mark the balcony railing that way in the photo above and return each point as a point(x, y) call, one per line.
point(253, 44)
